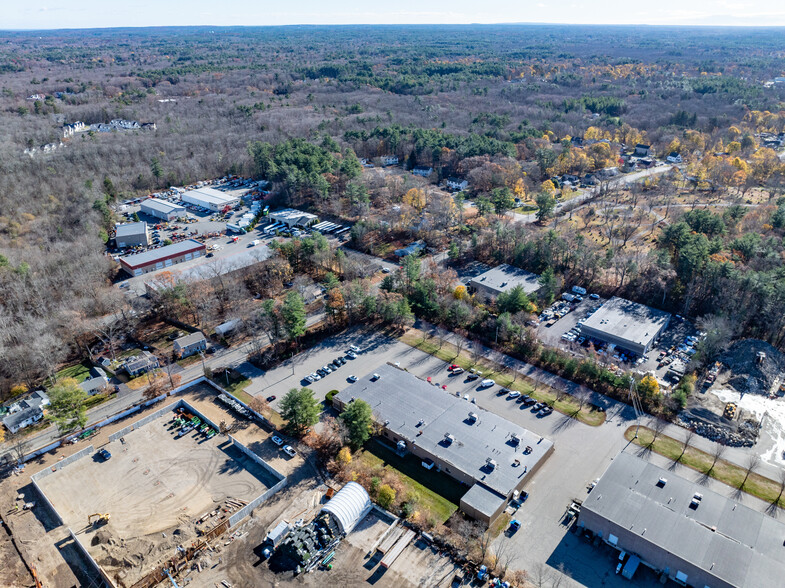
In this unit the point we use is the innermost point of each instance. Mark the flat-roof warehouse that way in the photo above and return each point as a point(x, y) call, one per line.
point(156, 259)
point(502, 278)
point(132, 234)
point(162, 209)
point(626, 324)
point(209, 198)
point(488, 453)
point(677, 526)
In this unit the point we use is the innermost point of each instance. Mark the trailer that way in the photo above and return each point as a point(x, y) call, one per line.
point(273, 538)
point(397, 549)
point(631, 566)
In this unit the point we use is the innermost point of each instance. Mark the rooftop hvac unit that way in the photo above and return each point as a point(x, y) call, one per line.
point(448, 439)
point(515, 439)
point(661, 482)
point(473, 416)
point(491, 463)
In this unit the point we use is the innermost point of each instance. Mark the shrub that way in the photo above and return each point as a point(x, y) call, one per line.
point(386, 496)
point(330, 395)
point(345, 456)
point(407, 508)
point(375, 482)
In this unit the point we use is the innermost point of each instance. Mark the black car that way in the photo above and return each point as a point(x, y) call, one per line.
point(321, 372)
point(471, 377)
point(522, 399)
point(105, 455)
point(529, 401)
point(270, 398)
point(211, 350)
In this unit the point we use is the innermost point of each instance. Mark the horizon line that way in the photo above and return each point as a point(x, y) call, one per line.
point(419, 25)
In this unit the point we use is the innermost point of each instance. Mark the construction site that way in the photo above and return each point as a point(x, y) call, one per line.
point(154, 494)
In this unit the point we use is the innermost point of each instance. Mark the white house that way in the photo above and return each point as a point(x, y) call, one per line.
point(26, 412)
point(457, 184)
point(389, 160)
point(422, 171)
point(674, 158)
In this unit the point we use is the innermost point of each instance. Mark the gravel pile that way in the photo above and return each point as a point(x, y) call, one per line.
point(747, 376)
point(745, 436)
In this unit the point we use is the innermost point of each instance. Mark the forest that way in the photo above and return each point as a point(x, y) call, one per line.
point(506, 107)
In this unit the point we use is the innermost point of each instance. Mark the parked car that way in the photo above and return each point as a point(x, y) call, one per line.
point(104, 455)
point(375, 377)
point(514, 394)
point(472, 377)
point(289, 450)
point(352, 379)
point(452, 367)
point(487, 383)
point(354, 348)
point(351, 354)
point(538, 407)
point(546, 411)
point(457, 370)
point(277, 440)
point(594, 296)
point(271, 398)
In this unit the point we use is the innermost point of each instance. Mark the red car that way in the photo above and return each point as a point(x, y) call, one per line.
point(453, 366)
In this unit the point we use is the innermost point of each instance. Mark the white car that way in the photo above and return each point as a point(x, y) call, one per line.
point(352, 379)
point(289, 450)
point(351, 354)
point(277, 440)
point(375, 377)
point(514, 394)
point(314, 377)
point(487, 383)
point(354, 348)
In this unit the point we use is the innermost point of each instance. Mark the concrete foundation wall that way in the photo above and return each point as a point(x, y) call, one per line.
point(107, 581)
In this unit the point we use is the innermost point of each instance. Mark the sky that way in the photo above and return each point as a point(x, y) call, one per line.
point(55, 14)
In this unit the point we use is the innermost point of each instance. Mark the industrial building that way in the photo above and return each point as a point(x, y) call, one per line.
point(209, 198)
point(132, 234)
point(294, 218)
point(493, 457)
point(629, 325)
point(162, 209)
point(502, 278)
point(677, 526)
point(305, 547)
point(155, 259)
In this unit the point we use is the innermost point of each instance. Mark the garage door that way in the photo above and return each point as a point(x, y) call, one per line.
point(681, 577)
point(197, 253)
point(138, 272)
point(168, 262)
point(188, 256)
point(613, 539)
point(159, 265)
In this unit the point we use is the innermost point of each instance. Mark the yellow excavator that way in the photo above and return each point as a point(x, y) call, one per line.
point(102, 519)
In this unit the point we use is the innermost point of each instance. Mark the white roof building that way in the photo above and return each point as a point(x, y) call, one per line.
point(294, 218)
point(349, 506)
point(209, 198)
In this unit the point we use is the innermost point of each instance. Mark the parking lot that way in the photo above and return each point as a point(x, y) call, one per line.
point(677, 341)
point(581, 452)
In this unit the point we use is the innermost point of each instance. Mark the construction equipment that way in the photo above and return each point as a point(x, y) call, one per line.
point(101, 520)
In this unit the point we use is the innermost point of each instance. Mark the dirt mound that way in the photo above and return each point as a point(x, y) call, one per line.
point(748, 376)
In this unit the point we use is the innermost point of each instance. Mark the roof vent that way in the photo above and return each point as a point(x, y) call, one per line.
point(473, 416)
point(491, 463)
point(514, 439)
point(661, 482)
point(448, 439)
point(420, 423)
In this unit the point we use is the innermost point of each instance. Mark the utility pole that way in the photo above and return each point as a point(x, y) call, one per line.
point(636, 404)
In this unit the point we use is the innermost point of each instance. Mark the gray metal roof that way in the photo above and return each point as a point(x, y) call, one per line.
point(162, 206)
point(628, 320)
point(483, 499)
point(210, 195)
point(505, 277)
point(131, 229)
point(726, 539)
point(189, 339)
point(153, 255)
point(404, 400)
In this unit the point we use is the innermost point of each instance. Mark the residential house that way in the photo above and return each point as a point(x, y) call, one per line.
point(26, 412)
point(415, 247)
point(577, 141)
point(189, 344)
point(77, 127)
point(139, 364)
point(642, 150)
point(389, 160)
point(422, 171)
point(96, 382)
point(457, 184)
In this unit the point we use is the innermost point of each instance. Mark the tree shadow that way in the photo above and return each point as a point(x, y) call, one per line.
point(565, 422)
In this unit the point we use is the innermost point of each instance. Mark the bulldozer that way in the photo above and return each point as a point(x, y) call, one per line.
point(101, 519)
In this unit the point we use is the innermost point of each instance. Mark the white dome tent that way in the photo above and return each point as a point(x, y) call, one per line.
point(349, 506)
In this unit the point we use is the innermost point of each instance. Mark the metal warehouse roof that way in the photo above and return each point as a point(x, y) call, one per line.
point(210, 195)
point(154, 255)
point(628, 320)
point(130, 229)
point(349, 506)
point(423, 414)
point(505, 277)
point(162, 205)
point(728, 540)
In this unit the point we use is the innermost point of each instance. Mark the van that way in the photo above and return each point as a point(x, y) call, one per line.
point(578, 290)
point(487, 383)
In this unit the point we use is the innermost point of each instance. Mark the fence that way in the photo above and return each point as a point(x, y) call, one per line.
point(266, 466)
point(41, 451)
point(143, 421)
point(105, 579)
point(258, 416)
point(246, 510)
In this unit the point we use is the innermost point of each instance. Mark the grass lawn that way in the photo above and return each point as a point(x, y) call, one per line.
point(723, 471)
point(79, 372)
point(433, 491)
point(190, 360)
point(449, 353)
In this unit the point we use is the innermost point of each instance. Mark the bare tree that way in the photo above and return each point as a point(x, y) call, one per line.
point(753, 461)
point(687, 441)
point(719, 451)
point(657, 428)
point(505, 554)
point(782, 487)
point(19, 446)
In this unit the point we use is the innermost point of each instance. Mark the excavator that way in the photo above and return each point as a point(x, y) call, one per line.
point(101, 520)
